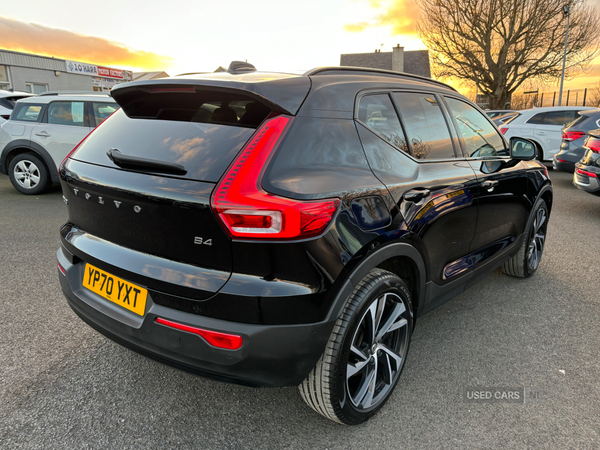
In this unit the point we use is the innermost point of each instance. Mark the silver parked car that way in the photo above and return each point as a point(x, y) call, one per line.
point(42, 131)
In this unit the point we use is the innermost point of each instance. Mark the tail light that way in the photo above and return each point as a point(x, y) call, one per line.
point(5, 117)
point(503, 129)
point(585, 172)
point(81, 142)
point(593, 144)
point(569, 136)
point(247, 211)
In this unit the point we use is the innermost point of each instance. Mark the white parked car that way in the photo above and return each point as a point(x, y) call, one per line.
point(7, 103)
point(42, 131)
point(542, 126)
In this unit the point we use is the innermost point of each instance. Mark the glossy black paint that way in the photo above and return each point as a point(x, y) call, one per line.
point(441, 225)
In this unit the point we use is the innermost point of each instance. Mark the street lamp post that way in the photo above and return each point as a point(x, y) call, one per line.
point(567, 13)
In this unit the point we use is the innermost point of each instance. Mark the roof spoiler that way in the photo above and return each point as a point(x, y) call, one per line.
point(283, 95)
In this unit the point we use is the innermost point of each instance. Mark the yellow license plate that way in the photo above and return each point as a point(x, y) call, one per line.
point(117, 290)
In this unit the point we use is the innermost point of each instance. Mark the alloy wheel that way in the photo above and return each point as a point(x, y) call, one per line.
point(377, 351)
point(538, 239)
point(27, 174)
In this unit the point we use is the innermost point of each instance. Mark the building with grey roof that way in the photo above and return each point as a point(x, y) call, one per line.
point(398, 60)
point(37, 74)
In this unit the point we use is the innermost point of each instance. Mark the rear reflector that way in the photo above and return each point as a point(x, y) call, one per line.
point(62, 269)
point(569, 136)
point(247, 211)
point(560, 160)
point(214, 338)
point(585, 172)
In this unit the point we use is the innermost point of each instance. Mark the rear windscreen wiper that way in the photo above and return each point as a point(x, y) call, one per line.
point(144, 164)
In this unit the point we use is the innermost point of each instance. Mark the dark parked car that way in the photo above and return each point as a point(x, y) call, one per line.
point(278, 230)
point(574, 136)
point(587, 171)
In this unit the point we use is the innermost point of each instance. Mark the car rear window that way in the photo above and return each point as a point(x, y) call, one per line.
point(205, 150)
point(186, 104)
point(28, 112)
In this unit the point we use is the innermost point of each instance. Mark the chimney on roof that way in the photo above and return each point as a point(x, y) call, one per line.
point(398, 59)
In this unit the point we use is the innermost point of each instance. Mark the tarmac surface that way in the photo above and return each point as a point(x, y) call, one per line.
point(64, 386)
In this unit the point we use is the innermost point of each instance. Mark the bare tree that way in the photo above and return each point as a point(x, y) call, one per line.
point(499, 44)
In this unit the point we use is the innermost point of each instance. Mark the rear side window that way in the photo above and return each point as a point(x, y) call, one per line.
point(378, 114)
point(101, 111)
point(537, 118)
point(426, 127)
point(27, 112)
point(479, 136)
point(185, 104)
point(66, 113)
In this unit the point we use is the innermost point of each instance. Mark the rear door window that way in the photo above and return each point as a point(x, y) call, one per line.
point(426, 128)
point(67, 113)
point(377, 113)
point(28, 112)
point(479, 137)
point(559, 117)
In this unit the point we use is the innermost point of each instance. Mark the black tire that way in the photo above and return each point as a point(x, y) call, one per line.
point(380, 300)
point(28, 174)
point(527, 260)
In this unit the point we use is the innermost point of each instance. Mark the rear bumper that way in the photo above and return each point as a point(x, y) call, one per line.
point(585, 183)
point(563, 166)
point(271, 355)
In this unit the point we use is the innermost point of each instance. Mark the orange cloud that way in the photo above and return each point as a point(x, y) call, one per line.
point(33, 38)
point(401, 15)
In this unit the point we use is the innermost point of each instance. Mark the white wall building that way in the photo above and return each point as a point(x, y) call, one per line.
point(37, 74)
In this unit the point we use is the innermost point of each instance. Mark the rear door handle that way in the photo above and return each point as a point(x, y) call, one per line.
point(489, 185)
point(42, 134)
point(541, 133)
point(416, 195)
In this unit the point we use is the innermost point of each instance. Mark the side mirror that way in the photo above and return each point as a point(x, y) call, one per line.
point(522, 149)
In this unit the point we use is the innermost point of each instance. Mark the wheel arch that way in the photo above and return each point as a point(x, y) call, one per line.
point(20, 146)
point(399, 258)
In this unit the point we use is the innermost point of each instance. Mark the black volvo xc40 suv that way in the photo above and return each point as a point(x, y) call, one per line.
point(274, 230)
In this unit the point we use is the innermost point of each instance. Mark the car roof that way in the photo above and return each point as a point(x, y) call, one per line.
point(555, 108)
point(49, 97)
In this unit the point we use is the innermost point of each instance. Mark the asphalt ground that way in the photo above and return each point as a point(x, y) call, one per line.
point(64, 386)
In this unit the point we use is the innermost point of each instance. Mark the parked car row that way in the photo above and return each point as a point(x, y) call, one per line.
point(567, 136)
point(7, 103)
point(41, 132)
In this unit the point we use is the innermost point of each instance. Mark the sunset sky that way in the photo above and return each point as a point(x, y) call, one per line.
point(198, 36)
